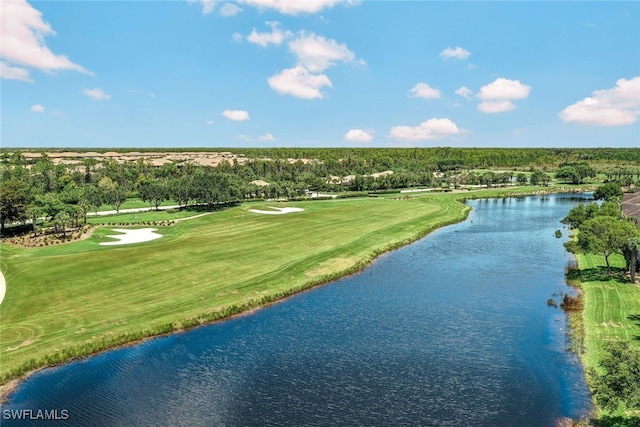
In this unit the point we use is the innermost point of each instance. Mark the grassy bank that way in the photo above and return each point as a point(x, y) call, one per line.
point(611, 312)
point(79, 298)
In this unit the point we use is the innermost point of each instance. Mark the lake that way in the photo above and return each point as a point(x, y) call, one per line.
point(452, 330)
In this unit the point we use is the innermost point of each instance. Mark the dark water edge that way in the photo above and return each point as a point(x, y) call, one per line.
point(451, 330)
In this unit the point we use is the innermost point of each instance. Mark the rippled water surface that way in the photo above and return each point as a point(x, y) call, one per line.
point(453, 330)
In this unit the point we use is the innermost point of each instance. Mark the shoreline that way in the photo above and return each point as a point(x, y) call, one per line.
point(234, 311)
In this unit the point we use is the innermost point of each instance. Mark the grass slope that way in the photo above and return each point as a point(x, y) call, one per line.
point(611, 307)
point(611, 312)
point(78, 298)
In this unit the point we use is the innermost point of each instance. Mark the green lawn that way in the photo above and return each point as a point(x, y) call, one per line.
point(134, 204)
point(153, 215)
point(612, 307)
point(81, 297)
point(611, 311)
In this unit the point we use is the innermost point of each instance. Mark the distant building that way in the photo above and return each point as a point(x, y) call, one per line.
point(631, 205)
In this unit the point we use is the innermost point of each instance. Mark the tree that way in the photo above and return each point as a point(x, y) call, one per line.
point(180, 189)
point(584, 171)
point(50, 204)
point(568, 174)
point(580, 213)
point(576, 216)
point(631, 253)
point(112, 193)
point(605, 235)
point(610, 191)
point(33, 212)
point(92, 195)
point(83, 207)
point(154, 192)
point(15, 196)
point(620, 381)
point(521, 179)
point(63, 219)
point(575, 173)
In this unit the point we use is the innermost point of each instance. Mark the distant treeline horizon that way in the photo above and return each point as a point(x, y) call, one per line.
point(441, 157)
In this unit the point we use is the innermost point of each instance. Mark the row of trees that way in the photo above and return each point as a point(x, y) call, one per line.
point(48, 188)
point(602, 229)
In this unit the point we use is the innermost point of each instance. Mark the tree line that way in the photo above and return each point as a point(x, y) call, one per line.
point(604, 230)
point(37, 187)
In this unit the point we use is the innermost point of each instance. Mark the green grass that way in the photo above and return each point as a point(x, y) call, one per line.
point(78, 298)
point(611, 308)
point(153, 215)
point(134, 204)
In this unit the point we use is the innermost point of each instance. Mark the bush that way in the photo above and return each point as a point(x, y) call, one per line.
point(620, 382)
point(353, 194)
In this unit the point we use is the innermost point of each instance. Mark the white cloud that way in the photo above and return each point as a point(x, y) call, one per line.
point(458, 53)
point(431, 129)
point(276, 36)
point(497, 95)
point(266, 137)
point(207, 5)
point(209, 122)
point(316, 53)
point(423, 90)
point(299, 82)
point(297, 7)
point(502, 88)
point(464, 92)
point(230, 9)
point(617, 106)
point(97, 94)
point(8, 72)
point(499, 106)
point(37, 108)
point(237, 37)
point(236, 115)
point(23, 33)
point(358, 135)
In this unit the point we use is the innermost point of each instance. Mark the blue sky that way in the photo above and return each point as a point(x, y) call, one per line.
point(326, 73)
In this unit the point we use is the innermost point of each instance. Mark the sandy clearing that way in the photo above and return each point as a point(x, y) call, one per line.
point(138, 235)
point(3, 287)
point(277, 211)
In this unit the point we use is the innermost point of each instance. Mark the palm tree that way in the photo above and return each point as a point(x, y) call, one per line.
point(631, 250)
point(63, 219)
point(33, 213)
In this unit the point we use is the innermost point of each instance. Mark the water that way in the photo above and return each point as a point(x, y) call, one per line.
point(453, 330)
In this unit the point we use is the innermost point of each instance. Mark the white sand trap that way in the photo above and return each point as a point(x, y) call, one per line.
point(132, 236)
point(277, 211)
point(3, 287)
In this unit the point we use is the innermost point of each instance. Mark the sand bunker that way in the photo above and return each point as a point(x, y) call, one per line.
point(3, 287)
point(276, 211)
point(132, 236)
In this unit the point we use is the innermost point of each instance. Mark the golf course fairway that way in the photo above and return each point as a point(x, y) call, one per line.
point(79, 298)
